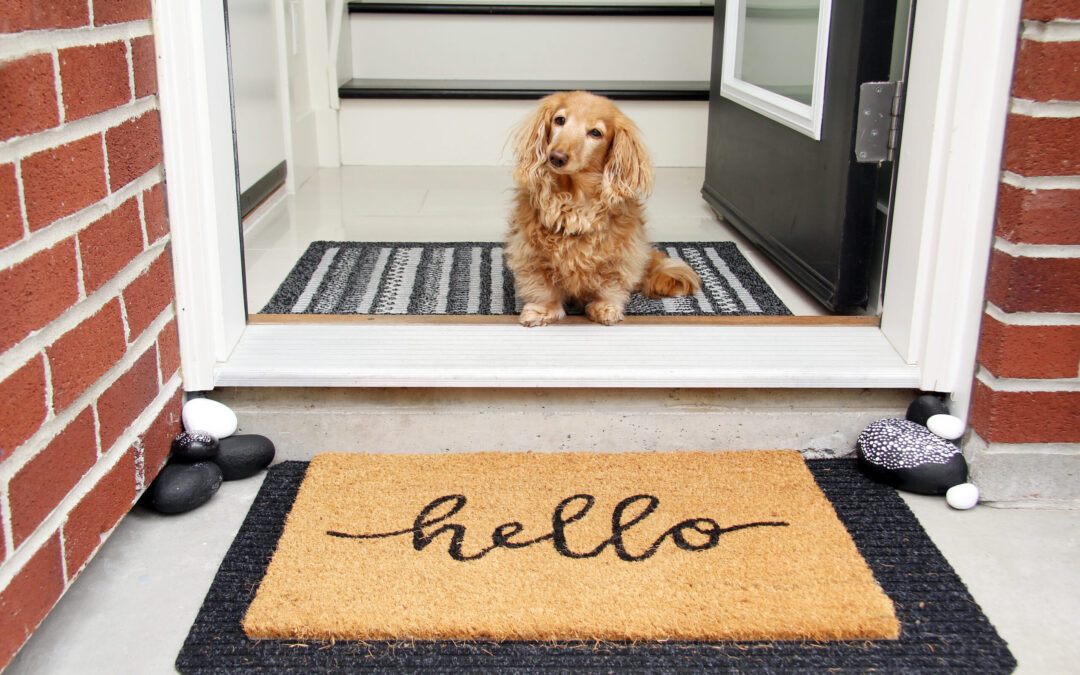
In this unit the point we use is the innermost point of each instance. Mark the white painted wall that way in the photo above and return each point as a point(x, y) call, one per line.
point(258, 90)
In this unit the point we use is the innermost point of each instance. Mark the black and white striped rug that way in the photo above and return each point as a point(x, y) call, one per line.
point(459, 278)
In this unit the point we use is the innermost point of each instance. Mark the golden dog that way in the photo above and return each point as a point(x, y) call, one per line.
point(577, 233)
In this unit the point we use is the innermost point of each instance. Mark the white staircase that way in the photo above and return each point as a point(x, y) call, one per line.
point(454, 79)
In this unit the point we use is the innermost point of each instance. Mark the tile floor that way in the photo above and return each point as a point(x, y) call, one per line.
point(130, 610)
point(358, 203)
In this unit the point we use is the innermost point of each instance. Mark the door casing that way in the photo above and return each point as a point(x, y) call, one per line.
point(957, 102)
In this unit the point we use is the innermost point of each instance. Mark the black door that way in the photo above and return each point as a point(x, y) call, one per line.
point(802, 200)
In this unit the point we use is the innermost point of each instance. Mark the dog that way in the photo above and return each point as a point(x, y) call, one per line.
point(577, 232)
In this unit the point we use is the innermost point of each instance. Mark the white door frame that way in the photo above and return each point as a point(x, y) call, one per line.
point(957, 103)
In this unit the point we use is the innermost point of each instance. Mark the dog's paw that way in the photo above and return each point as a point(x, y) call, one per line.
point(533, 314)
point(607, 313)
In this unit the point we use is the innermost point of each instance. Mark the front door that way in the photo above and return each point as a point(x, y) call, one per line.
point(781, 165)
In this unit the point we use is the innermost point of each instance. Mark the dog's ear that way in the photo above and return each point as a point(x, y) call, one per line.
point(628, 172)
point(530, 140)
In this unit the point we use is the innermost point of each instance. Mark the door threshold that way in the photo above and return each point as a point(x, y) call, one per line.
point(576, 353)
point(511, 320)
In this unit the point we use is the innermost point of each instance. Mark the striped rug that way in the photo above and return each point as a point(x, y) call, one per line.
point(334, 277)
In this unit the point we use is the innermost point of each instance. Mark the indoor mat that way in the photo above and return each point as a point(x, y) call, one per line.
point(942, 629)
point(470, 278)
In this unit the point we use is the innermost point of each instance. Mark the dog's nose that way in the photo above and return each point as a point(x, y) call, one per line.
point(558, 159)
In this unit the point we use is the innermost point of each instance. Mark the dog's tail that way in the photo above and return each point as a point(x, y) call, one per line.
point(667, 278)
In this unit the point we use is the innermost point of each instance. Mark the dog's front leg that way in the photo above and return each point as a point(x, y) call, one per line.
point(609, 308)
point(543, 302)
point(541, 313)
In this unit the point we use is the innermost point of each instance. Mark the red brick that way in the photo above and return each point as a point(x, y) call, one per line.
point(1038, 216)
point(36, 291)
point(144, 66)
point(149, 294)
point(29, 597)
point(98, 512)
point(11, 223)
point(63, 180)
point(94, 79)
point(134, 148)
point(1022, 284)
point(1029, 352)
point(20, 15)
point(45, 480)
point(118, 11)
point(22, 405)
point(1042, 146)
point(85, 353)
point(107, 245)
point(169, 351)
point(125, 400)
point(1048, 10)
point(157, 222)
point(1025, 416)
point(1047, 71)
point(158, 437)
point(27, 96)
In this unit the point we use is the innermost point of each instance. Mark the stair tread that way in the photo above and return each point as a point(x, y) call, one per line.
point(525, 9)
point(521, 89)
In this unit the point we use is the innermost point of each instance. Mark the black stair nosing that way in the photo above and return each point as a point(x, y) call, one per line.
point(529, 9)
point(504, 90)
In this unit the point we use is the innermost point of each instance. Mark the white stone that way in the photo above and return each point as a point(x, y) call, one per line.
point(203, 414)
point(962, 496)
point(946, 426)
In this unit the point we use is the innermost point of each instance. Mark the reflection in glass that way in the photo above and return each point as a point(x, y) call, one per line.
point(777, 45)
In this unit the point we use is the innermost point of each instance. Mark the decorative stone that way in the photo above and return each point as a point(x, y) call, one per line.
point(194, 446)
point(203, 414)
point(925, 407)
point(908, 456)
point(244, 455)
point(946, 426)
point(963, 496)
point(182, 487)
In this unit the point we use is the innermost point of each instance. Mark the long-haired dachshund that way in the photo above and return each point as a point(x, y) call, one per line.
point(576, 232)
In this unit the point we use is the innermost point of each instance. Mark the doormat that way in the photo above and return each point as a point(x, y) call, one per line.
point(941, 627)
point(470, 278)
point(566, 546)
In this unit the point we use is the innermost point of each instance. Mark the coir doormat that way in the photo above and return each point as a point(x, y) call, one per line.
point(470, 278)
point(566, 546)
point(941, 628)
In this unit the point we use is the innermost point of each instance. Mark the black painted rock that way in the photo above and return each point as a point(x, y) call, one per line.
point(182, 487)
point(925, 407)
point(194, 446)
point(908, 456)
point(244, 455)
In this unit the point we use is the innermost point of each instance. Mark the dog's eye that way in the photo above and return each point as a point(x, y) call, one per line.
point(560, 120)
point(595, 133)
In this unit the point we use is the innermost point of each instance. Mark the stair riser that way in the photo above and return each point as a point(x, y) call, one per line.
point(531, 47)
point(475, 133)
point(302, 422)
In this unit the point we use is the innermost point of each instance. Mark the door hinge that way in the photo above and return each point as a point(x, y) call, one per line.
point(877, 132)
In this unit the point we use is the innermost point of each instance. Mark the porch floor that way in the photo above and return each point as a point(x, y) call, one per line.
point(130, 610)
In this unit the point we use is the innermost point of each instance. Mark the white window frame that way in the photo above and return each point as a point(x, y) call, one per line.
point(957, 103)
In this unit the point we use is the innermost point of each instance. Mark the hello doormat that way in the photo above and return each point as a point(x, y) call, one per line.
point(568, 546)
point(470, 278)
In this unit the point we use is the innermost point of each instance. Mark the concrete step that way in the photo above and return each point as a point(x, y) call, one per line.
point(305, 421)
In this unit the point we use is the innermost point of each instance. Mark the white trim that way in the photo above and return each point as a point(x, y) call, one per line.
point(200, 168)
point(801, 117)
point(957, 99)
point(508, 355)
point(954, 127)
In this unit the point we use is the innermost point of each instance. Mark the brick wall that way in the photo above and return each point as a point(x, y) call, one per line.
point(1026, 402)
point(89, 383)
